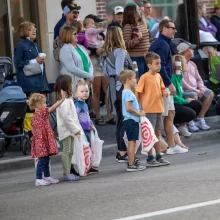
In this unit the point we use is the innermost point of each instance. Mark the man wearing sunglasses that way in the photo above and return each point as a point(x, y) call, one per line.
point(161, 46)
point(73, 8)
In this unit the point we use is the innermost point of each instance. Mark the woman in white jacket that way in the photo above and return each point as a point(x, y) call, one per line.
point(74, 59)
point(68, 124)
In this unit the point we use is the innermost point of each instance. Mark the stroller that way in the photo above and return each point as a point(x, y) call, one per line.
point(6, 68)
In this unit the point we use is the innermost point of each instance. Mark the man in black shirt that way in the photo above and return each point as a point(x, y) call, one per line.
point(118, 17)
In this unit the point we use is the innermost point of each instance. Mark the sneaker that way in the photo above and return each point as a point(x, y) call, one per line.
point(153, 163)
point(42, 182)
point(184, 131)
point(51, 180)
point(192, 127)
point(135, 167)
point(122, 159)
point(176, 150)
point(92, 170)
point(71, 177)
point(163, 162)
point(202, 124)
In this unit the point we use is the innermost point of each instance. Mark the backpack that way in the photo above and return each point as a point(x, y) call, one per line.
point(57, 45)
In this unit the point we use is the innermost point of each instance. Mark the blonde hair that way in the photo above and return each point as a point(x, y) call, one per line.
point(80, 82)
point(35, 99)
point(114, 39)
point(211, 51)
point(23, 29)
point(126, 74)
point(181, 59)
point(87, 21)
point(66, 34)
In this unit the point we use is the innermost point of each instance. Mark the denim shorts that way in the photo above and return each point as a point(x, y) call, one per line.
point(131, 129)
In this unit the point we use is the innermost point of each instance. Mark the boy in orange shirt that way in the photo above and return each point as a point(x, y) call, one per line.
point(150, 92)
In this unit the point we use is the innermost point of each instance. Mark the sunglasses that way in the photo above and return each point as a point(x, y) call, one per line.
point(75, 12)
point(172, 28)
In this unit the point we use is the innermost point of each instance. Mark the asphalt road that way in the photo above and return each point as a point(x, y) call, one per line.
point(191, 179)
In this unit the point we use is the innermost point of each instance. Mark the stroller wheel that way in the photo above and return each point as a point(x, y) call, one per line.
point(2, 147)
point(24, 145)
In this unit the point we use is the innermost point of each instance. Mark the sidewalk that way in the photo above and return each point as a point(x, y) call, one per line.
point(14, 159)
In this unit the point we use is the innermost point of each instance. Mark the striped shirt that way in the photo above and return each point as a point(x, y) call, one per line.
point(136, 47)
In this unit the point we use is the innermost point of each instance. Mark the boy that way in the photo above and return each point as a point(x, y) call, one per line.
point(131, 113)
point(150, 92)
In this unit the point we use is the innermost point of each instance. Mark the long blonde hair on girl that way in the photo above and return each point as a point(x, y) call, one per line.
point(210, 51)
point(114, 39)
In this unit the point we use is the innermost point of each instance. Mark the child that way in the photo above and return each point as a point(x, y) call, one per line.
point(67, 124)
point(43, 140)
point(92, 34)
point(131, 114)
point(82, 94)
point(150, 92)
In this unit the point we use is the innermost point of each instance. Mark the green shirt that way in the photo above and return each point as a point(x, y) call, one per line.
point(177, 83)
point(84, 60)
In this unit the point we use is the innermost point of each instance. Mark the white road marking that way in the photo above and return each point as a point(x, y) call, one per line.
point(172, 210)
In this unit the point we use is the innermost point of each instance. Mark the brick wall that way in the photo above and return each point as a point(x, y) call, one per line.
point(101, 8)
point(209, 6)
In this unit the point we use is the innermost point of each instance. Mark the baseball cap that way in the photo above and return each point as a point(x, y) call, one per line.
point(140, 4)
point(185, 46)
point(70, 8)
point(95, 18)
point(118, 9)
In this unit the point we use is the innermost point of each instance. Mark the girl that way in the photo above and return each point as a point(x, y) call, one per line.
point(43, 140)
point(67, 123)
point(82, 94)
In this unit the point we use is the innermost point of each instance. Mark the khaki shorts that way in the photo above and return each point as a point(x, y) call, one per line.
point(96, 66)
point(168, 103)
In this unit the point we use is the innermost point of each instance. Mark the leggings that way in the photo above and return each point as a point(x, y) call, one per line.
point(188, 112)
point(120, 127)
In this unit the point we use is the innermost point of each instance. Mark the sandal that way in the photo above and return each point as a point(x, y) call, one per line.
point(100, 122)
point(111, 121)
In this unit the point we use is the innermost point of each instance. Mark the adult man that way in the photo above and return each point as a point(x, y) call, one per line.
point(60, 23)
point(117, 17)
point(194, 87)
point(153, 23)
point(71, 13)
point(215, 19)
point(161, 46)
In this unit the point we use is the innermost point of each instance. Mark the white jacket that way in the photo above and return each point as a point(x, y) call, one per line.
point(67, 119)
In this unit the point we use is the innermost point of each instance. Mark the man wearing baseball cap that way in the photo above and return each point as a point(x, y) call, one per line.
point(117, 17)
point(194, 87)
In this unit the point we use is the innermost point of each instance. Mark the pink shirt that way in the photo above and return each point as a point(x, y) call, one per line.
point(92, 34)
point(192, 81)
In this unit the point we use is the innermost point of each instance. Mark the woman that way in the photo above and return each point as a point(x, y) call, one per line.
point(74, 59)
point(116, 59)
point(27, 52)
point(186, 110)
point(136, 36)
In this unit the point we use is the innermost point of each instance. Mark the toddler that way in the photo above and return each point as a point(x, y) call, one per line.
point(43, 140)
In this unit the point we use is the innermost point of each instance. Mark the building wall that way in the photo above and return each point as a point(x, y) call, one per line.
point(49, 14)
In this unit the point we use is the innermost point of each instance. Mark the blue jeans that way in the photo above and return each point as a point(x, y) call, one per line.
point(43, 167)
point(88, 136)
point(142, 67)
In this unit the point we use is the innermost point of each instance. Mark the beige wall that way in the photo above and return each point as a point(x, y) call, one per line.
point(50, 12)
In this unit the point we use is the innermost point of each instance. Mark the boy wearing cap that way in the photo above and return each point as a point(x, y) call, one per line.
point(117, 17)
point(194, 87)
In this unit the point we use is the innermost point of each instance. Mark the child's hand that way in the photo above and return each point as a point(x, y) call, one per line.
point(142, 113)
point(78, 133)
point(92, 127)
point(165, 94)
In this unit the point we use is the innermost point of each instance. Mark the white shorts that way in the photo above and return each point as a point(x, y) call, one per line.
point(168, 103)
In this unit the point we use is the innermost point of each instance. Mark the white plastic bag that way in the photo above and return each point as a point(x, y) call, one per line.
point(82, 154)
point(148, 136)
point(96, 148)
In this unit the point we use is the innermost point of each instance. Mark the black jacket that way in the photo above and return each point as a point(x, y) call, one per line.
point(216, 21)
point(114, 24)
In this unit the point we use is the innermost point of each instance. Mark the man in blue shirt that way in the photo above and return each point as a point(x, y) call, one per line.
point(161, 46)
point(62, 21)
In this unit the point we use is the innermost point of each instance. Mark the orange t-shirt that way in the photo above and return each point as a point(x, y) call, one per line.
point(150, 88)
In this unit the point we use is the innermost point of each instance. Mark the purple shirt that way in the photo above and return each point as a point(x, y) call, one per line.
point(82, 39)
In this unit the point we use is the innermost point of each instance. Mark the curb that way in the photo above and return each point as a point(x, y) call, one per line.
point(28, 162)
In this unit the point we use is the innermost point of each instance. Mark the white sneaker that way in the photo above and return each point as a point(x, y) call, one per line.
point(184, 131)
point(42, 182)
point(192, 127)
point(201, 124)
point(51, 180)
point(176, 150)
